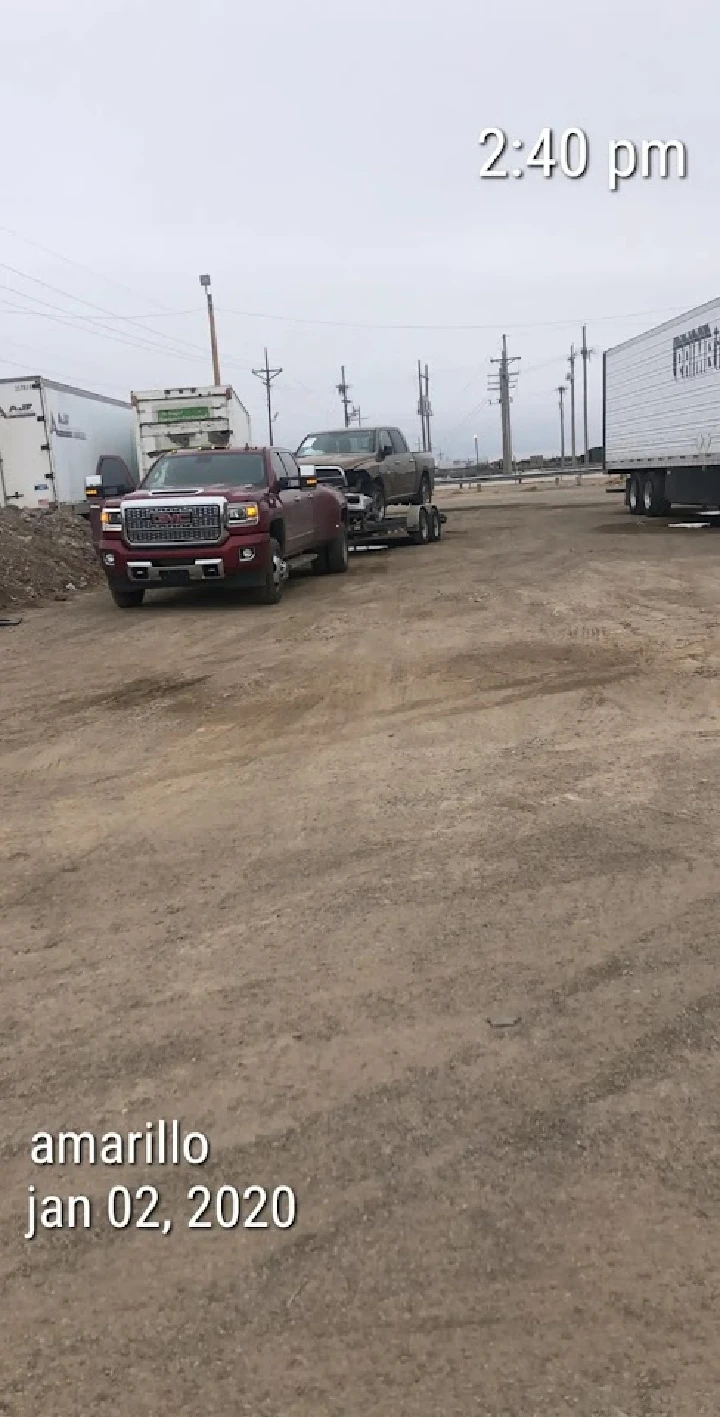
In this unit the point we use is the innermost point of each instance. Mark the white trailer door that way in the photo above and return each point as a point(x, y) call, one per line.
point(26, 477)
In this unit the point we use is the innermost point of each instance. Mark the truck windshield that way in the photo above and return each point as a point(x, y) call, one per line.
point(342, 444)
point(203, 469)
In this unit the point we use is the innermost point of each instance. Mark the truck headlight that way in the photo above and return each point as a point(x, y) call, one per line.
point(111, 519)
point(245, 514)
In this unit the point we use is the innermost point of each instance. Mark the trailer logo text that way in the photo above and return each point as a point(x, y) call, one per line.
point(697, 352)
point(17, 410)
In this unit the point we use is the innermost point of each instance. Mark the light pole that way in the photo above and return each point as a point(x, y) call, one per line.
point(205, 283)
point(477, 455)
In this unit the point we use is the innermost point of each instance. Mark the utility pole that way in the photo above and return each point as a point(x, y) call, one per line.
point(477, 455)
point(571, 381)
point(561, 395)
point(267, 375)
point(421, 407)
point(424, 409)
point(586, 353)
point(205, 283)
point(506, 380)
point(428, 409)
point(343, 389)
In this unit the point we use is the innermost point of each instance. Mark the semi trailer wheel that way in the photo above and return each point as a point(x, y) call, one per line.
point(435, 524)
point(634, 503)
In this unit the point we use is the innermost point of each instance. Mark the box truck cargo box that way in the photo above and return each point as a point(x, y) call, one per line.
point(168, 419)
point(51, 438)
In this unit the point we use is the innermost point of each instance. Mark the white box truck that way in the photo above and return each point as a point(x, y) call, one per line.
point(661, 413)
point(52, 437)
point(168, 419)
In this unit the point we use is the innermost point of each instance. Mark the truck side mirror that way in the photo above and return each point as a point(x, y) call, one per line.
point(381, 452)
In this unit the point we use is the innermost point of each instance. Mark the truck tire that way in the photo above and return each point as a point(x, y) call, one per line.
point(333, 558)
point(435, 524)
point(653, 504)
point(336, 553)
point(127, 599)
point(275, 576)
point(423, 496)
point(379, 504)
point(422, 535)
point(634, 497)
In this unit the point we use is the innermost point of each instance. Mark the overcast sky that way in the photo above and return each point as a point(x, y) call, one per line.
point(321, 161)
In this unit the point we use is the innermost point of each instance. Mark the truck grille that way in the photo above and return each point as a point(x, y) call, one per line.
point(194, 522)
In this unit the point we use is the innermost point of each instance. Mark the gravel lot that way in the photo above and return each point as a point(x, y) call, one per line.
point(271, 871)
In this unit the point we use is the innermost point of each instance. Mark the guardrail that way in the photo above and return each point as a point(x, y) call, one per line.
point(471, 479)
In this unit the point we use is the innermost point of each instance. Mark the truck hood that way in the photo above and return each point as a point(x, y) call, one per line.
point(347, 463)
point(232, 494)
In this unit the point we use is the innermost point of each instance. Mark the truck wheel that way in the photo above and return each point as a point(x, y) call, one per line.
point(127, 599)
point(379, 504)
point(336, 553)
point(435, 524)
point(634, 497)
point(653, 504)
point(275, 576)
point(423, 497)
point(422, 535)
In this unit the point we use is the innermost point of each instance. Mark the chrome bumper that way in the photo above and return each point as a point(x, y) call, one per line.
point(209, 569)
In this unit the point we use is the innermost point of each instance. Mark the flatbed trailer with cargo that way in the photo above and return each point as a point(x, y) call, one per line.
point(418, 525)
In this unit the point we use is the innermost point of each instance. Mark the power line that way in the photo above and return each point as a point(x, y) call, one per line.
point(68, 319)
point(371, 325)
point(68, 261)
point(172, 343)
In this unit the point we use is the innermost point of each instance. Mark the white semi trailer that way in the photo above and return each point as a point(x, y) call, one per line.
point(52, 437)
point(661, 413)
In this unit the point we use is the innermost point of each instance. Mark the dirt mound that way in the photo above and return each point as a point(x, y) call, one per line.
point(43, 554)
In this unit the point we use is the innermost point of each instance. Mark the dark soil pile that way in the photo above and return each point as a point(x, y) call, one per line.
point(44, 554)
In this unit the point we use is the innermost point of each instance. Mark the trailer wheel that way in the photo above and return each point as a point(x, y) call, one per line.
point(127, 599)
point(435, 524)
point(422, 535)
point(634, 497)
point(653, 504)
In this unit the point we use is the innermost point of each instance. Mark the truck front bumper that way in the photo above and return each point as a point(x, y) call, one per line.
point(243, 559)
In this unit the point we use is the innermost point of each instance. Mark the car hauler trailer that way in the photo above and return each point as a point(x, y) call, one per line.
point(52, 437)
point(661, 414)
point(419, 524)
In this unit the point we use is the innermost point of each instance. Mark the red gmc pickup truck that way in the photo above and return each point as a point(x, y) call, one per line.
point(231, 514)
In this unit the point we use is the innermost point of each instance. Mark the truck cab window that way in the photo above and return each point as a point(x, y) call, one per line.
point(398, 442)
point(290, 467)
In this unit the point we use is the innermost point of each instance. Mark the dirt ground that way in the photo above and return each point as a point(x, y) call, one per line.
point(270, 871)
point(44, 555)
